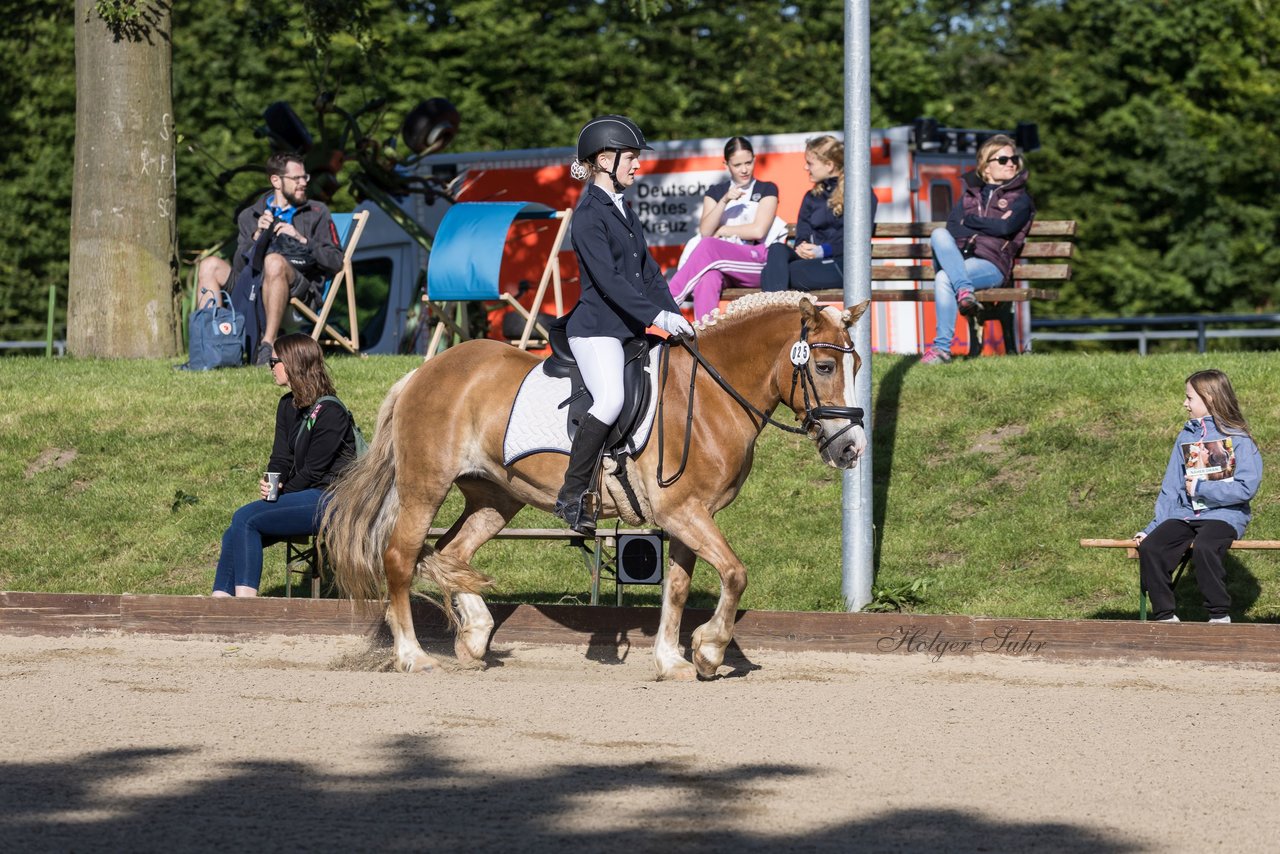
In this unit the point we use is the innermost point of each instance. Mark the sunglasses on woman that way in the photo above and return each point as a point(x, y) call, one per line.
point(273, 361)
point(1006, 159)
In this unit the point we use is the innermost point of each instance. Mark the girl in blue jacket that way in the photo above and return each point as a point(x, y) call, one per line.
point(1213, 472)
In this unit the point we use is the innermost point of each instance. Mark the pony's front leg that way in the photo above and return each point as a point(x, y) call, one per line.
point(712, 638)
point(667, 659)
point(399, 564)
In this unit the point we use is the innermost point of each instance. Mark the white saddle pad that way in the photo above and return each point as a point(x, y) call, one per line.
point(537, 424)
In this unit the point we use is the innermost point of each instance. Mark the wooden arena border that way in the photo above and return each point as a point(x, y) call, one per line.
point(913, 635)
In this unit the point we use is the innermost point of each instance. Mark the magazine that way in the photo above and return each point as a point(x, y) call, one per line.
point(1209, 460)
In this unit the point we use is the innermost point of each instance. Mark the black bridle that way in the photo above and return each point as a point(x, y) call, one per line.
point(800, 358)
point(801, 374)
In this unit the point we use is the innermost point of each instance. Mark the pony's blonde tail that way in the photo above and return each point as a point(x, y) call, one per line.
point(362, 511)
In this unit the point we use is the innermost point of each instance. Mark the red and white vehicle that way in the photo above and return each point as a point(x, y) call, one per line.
point(911, 186)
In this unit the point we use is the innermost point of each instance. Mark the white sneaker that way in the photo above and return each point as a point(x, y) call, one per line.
point(1173, 619)
point(1219, 619)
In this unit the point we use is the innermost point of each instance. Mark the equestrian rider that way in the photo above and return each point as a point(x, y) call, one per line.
point(623, 293)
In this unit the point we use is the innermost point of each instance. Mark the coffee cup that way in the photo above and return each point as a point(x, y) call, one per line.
point(273, 485)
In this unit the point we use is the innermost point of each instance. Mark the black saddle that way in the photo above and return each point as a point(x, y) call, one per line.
point(636, 388)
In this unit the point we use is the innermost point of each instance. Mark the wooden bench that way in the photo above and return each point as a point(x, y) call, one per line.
point(1131, 548)
point(1044, 258)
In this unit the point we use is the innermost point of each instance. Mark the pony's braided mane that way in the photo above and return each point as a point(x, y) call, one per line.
point(751, 305)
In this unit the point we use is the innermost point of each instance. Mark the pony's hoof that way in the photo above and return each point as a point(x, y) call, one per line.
point(422, 663)
point(705, 665)
point(470, 651)
point(706, 657)
point(680, 672)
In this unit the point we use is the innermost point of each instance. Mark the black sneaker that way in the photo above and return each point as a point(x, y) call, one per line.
point(969, 305)
point(263, 356)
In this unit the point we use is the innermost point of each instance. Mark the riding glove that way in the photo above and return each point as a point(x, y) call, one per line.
point(672, 323)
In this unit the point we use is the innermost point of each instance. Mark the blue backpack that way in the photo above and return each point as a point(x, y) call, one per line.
point(216, 332)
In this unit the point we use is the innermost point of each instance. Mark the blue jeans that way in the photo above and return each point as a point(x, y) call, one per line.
point(259, 524)
point(955, 273)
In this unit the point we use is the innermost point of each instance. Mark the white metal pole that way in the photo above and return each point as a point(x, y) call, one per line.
point(856, 519)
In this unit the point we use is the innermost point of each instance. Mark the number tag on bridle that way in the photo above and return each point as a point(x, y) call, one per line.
point(800, 353)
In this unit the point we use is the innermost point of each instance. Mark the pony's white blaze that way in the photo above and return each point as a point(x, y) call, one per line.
point(851, 399)
point(848, 368)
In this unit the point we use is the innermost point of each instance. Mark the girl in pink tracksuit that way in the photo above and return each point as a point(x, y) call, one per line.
point(739, 220)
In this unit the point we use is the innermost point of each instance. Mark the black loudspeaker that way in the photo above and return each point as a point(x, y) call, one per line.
point(285, 129)
point(430, 126)
point(639, 559)
point(926, 134)
point(1027, 136)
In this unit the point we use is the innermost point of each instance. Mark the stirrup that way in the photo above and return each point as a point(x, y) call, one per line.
point(576, 515)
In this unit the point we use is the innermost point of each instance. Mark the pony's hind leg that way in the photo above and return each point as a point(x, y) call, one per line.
point(667, 658)
point(399, 563)
point(488, 510)
point(475, 625)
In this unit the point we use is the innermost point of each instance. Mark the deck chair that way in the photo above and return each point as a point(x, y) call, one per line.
point(349, 227)
point(466, 256)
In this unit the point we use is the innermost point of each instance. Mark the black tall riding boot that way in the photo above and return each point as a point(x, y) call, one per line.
point(584, 457)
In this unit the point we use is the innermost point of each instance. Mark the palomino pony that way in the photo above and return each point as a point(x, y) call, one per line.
point(444, 423)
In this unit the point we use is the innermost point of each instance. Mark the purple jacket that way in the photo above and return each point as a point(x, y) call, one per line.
point(991, 222)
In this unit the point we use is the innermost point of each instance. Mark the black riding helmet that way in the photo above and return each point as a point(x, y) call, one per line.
point(610, 133)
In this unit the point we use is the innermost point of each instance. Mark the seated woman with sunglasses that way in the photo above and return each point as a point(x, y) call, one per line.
point(314, 441)
point(983, 236)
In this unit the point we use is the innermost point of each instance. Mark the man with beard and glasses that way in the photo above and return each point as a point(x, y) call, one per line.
point(301, 250)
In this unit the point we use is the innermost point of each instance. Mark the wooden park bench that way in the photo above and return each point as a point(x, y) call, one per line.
point(1044, 258)
point(1131, 550)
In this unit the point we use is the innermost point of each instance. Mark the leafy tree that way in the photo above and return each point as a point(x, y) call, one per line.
point(37, 126)
point(1156, 117)
point(1157, 120)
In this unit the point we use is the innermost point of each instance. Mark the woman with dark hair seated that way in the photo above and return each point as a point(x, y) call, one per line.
point(314, 441)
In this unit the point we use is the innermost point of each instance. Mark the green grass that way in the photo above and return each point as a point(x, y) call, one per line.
point(987, 473)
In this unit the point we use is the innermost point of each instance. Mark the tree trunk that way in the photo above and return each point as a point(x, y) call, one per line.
point(124, 285)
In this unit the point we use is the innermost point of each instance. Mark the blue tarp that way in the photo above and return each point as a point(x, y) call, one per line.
point(466, 253)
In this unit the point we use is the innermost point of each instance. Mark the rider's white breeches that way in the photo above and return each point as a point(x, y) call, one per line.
point(600, 361)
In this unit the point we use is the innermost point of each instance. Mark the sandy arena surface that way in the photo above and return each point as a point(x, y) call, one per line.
point(135, 743)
